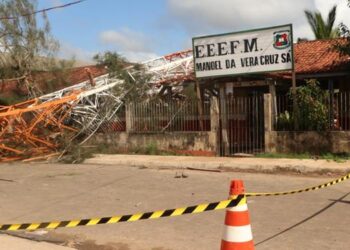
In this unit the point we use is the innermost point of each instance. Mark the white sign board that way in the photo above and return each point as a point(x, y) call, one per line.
point(246, 52)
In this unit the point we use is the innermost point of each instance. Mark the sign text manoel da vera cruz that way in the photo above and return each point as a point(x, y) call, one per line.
point(246, 52)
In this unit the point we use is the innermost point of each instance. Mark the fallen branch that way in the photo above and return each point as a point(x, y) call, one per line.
point(205, 170)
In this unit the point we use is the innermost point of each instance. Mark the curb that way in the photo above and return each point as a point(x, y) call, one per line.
point(10, 242)
point(222, 164)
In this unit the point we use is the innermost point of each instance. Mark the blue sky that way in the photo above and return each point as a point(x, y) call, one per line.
point(134, 28)
point(144, 29)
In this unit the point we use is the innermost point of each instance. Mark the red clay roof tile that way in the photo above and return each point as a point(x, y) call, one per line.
point(319, 56)
point(311, 57)
point(74, 76)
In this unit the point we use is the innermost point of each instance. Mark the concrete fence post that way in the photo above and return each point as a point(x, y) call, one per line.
point(128, 117)
point(272, 90)
point(224, 123)
point(215, 124)
point(268, 121)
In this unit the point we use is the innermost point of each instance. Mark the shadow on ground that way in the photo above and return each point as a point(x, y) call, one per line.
point(334, 202)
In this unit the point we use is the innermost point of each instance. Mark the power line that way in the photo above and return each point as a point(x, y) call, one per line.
point(43, 10)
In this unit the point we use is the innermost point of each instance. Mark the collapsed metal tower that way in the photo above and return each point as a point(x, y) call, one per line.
point(37, 128)
point(174, 68)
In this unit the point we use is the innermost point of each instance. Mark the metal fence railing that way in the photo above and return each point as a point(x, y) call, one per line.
point(284, 111)
point(341, 111)
point(116, 122)
point(337, 107)
point(243, 119)
point(170, 116)
point(102, 119)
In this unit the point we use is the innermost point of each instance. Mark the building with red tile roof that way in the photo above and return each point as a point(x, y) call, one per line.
point(317, 59)
point(51, 81)
point(313, 59)
point(320, 57)
point(321, 60)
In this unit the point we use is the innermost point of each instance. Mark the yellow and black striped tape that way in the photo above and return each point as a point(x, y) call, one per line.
point(235, 201)
point(239, 200)
point(325, 185)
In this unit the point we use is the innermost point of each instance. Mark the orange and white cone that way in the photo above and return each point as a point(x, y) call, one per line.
point(238, 232)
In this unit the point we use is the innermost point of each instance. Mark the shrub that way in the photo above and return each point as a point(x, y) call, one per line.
point(312, 107)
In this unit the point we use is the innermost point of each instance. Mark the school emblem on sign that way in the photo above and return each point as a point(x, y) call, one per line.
point(282, 39)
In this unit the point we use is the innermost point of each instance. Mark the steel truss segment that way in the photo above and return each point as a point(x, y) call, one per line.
point(173, 68)
point(30, 129)
point(34, 128)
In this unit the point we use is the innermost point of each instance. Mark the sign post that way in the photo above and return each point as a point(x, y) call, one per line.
point(243, 53)
point(295, 105)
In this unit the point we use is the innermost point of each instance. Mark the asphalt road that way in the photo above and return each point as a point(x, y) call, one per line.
point(34, 193)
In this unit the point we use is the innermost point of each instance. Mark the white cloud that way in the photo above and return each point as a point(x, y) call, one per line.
point(67, 51)
point(126, 40)
point(208, 16)
point(56, 2)
point(139, 56)
point(135, 46)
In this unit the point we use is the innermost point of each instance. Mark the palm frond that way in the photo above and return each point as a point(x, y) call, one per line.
point(331, 19)
point(311, 20)
point(322, 28)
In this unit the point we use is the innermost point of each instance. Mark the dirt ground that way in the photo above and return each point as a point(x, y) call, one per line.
point(40, 192)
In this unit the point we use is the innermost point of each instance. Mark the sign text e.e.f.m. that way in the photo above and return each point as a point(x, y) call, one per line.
point(255, 51)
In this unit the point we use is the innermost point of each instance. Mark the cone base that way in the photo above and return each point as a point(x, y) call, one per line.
point(225, 245)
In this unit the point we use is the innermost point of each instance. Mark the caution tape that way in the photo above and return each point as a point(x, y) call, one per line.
point(325, 185)
point(233, 202)
point(239, 200)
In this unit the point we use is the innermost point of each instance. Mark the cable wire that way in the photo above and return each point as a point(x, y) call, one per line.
point(43, 10)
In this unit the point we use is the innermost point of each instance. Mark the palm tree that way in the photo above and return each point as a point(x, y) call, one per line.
point(323, 29)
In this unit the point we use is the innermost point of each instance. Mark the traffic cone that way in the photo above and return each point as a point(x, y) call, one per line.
point(238, 233)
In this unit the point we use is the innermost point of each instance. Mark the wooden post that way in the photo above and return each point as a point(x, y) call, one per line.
point(223, 114)
point(295, 105)
point(200, 106)
point(331, 103)
point(91, 78)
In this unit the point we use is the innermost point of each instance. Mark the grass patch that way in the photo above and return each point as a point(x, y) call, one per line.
point(62, 175)
point(77, 154)
point(286, 156)
point(152, 149)
point(340, 158)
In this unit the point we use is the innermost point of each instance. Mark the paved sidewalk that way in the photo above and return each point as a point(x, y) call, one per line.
point(15, 243)
point(50, 192)
point(224, 164)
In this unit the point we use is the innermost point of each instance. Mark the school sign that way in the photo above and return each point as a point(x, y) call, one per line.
point(246, 52)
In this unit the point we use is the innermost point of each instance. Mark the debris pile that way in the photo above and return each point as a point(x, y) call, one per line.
point(35, 129)
point(30, 129)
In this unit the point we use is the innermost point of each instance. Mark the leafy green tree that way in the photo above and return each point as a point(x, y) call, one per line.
point(135, 84)
point(114, 62)
point(321, 28)
point(344, 48)
point(25, 46)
